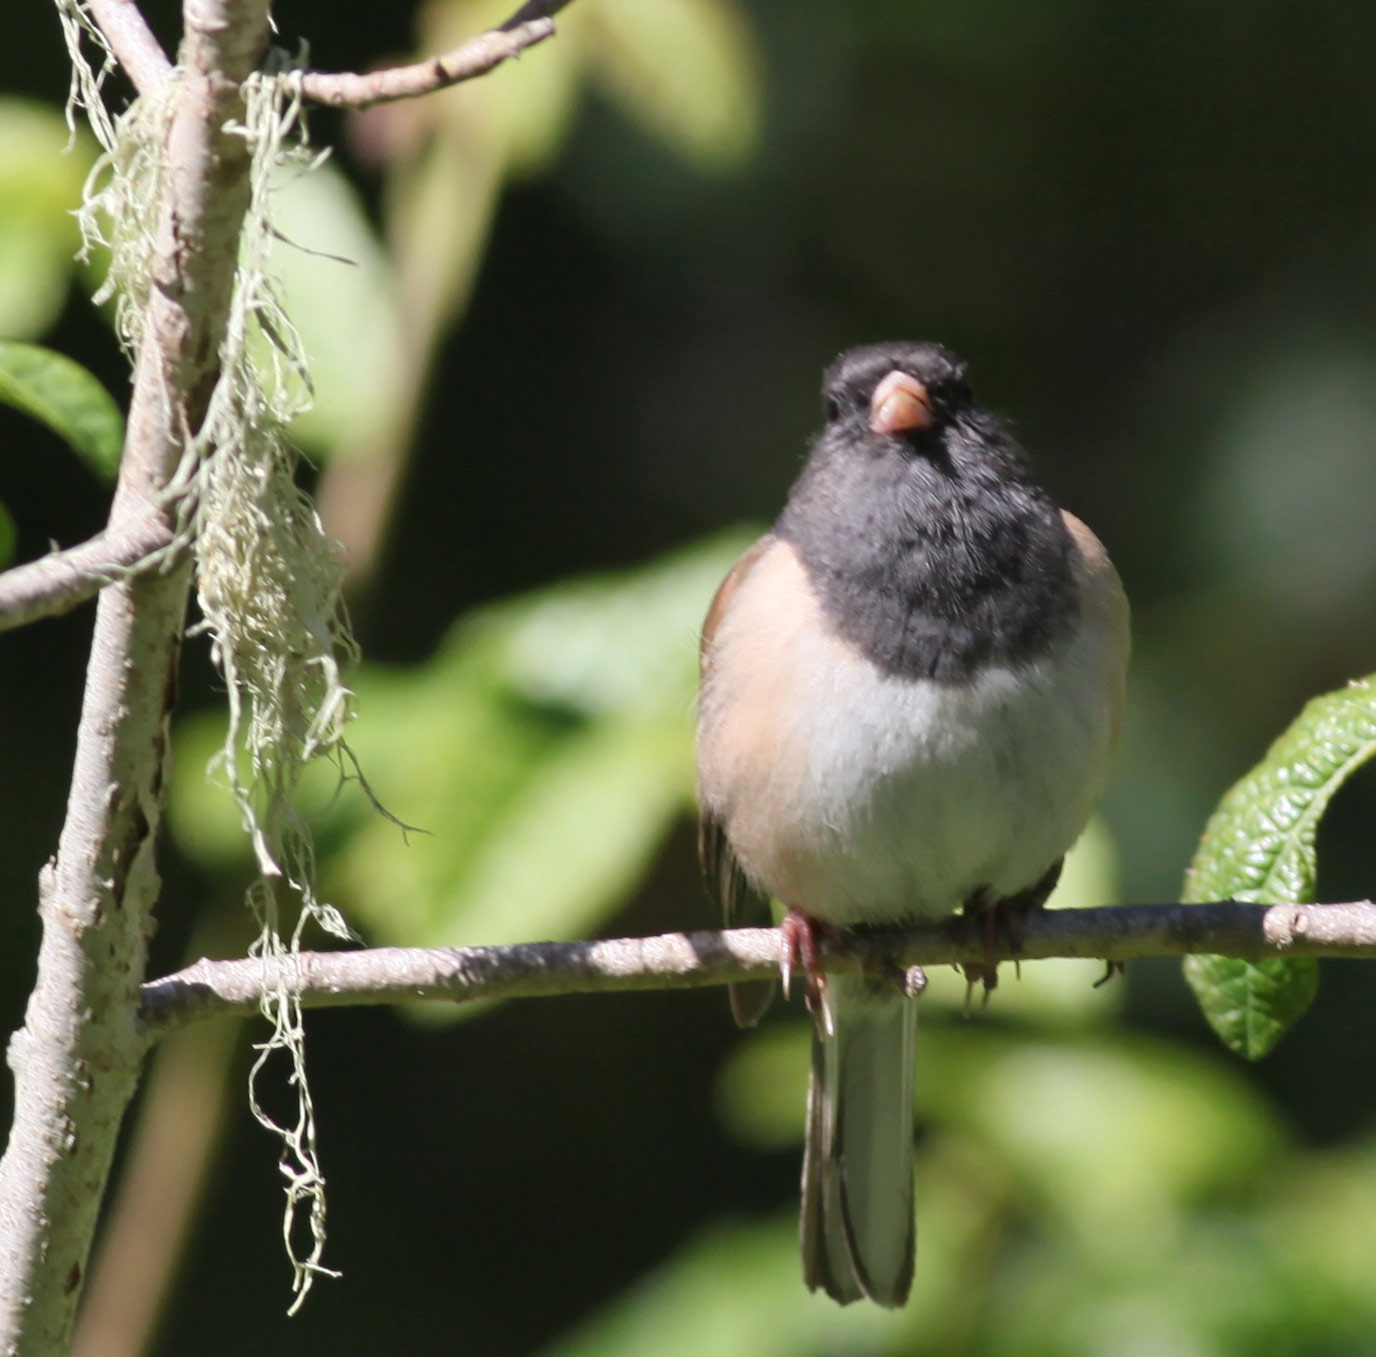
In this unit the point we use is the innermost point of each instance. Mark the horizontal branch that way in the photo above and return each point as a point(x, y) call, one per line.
point(143, 60)
point(688, 960)
point(58, 582)
point(531, 24)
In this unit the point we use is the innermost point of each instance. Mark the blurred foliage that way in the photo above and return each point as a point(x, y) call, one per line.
point(685, 70)
point(68, 399)
point(340, 293)
point(1288, 494)
point(1153, 257)
point(1078, 1192)
point(39, 187)
point(1259, 846)
point(544, 751)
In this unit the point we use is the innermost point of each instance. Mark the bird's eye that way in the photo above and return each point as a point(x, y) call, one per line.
point(833, 408)
point(956, 393)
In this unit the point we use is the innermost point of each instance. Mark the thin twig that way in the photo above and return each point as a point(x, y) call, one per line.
point(145, 63)
point(531, 24)
point(62, 580)
point(132, 43)
point(385, 975)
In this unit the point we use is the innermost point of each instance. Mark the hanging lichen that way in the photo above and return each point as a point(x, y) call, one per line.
point(267, 577)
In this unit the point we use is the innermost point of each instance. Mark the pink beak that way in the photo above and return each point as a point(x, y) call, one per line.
point(900, 405)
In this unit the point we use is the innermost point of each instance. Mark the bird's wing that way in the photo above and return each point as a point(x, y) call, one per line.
point(1103, 600)
point(741, 905)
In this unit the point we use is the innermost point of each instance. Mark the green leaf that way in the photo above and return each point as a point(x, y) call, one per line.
point(340, 292)
point(685, 70)
point(65, 397)
point(734, 1290)
point(1251, 1005)
point(546, 750)
point(574, 840)
point(1259, 846)
point(39, 187)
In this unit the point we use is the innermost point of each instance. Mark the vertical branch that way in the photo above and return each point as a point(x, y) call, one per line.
point(76, 1059)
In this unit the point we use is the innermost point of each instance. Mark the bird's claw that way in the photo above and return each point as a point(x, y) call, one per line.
point(798, 941)
point(1111, 968)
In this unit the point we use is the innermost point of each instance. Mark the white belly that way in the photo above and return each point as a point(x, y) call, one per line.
point(859, 797)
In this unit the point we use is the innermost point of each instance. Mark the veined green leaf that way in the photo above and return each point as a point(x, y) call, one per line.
point(65, 397)
point(1259, 846)
point(1251, 1005)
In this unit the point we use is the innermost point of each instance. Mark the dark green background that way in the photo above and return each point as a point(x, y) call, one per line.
point(1152, 231)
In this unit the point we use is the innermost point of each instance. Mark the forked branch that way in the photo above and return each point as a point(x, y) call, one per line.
point(63, 580)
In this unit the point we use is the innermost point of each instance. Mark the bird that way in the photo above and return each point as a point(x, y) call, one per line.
point(911, 690)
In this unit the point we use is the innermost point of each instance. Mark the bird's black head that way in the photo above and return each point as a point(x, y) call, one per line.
point(918, 521)
point(900, 390)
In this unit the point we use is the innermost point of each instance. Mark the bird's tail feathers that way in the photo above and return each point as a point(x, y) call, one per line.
point(857, 1223)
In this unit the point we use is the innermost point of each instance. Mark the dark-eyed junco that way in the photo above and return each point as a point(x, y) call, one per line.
point(911, 690)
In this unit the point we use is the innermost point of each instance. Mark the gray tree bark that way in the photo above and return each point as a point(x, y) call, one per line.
point(76, 1060)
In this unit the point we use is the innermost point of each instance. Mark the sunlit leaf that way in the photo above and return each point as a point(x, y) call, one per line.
point(685, 70)
point(1259, 846)
point(39, 188)
point(576, 840)
point(1252, 1004)
point(545, 750)
point(1171, 1125)
point(736, 1291)
point(65, 397)
point(341, 296)
point(622, 643)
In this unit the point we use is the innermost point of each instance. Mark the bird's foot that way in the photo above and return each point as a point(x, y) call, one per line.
point(799, 936)
point(991, 918)
point(1002, 920)
point(1111, 968)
